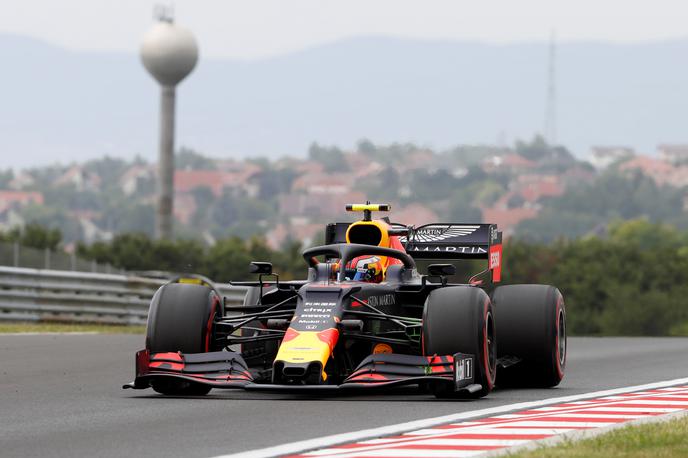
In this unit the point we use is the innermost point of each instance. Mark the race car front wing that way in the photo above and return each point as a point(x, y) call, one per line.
point(223, 369)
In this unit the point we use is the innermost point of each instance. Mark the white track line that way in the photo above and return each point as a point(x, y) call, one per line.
point(356, 436)
point(33, 334)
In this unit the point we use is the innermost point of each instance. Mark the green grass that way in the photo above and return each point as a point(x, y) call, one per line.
point(668, 439)
point(19, 327)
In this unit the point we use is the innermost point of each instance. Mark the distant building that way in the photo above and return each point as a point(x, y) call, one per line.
point(673, 154)
point(534, 187)
point(132, 180)
point(20, 198)
point(92, 233)
point(657, 169)
point(511, 162)
point(184, 207)
point(323, 183)
point(602, 157)
point(21, 181)
point(217, 180)
point(81, 179)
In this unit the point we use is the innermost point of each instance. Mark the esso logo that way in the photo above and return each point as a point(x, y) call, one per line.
point(494, 259)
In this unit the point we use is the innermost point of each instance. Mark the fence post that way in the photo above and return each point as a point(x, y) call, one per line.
point(72, 258)
point(47, 258)
point(16, 254)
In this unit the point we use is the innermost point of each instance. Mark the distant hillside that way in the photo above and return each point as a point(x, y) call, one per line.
point(62, 105)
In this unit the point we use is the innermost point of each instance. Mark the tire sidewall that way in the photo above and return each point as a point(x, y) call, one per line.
point(532, 329)
point(181, 318)
point(469, 312)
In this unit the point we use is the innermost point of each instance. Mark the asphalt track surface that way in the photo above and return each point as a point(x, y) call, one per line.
point(61, 396)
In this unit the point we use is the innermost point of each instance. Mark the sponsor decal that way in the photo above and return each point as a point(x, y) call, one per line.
point(495, 262)
point(315, 315)
point(451, 249)
point(495, 258)
point(440, 232)
point(384, 299)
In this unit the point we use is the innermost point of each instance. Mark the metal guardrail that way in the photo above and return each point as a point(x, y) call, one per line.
point(56, 295)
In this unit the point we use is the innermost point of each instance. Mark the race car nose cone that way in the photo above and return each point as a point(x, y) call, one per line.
point(289, 373)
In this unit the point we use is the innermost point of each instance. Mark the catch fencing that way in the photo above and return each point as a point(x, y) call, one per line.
point(64, 296)
point(16, 255)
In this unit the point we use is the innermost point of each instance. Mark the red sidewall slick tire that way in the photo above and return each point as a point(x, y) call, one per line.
point(533, 329)
point(181, 319)
point(460, 319)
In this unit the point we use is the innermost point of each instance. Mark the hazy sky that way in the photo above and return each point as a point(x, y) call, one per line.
point(256, 28)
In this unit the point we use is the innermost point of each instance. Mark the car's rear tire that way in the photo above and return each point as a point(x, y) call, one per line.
point(532, 328)
point(181, 319)
point(460, 319)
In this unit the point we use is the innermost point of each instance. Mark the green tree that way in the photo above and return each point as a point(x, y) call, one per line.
point(536, 149)
point(34, 236)
point(332, 158)
point(5, 177)
point(365, 146)
point(187, 158)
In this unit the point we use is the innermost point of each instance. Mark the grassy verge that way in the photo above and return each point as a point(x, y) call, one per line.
point(19, 327)
point(668, 439)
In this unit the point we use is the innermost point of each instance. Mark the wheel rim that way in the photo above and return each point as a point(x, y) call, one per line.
point(561, 337)
point(491, 345)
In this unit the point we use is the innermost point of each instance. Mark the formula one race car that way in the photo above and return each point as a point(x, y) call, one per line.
point(364, 318)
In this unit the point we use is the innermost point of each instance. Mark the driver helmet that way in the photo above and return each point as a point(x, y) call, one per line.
point(368, 269)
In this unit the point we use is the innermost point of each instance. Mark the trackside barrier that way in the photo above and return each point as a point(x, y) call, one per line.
point(65, 296)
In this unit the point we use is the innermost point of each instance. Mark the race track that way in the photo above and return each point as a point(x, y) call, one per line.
point(61, 396)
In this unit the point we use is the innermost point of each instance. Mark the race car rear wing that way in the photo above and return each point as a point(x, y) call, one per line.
point(447, 241)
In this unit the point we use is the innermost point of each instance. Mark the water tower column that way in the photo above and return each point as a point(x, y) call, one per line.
point(165, 189)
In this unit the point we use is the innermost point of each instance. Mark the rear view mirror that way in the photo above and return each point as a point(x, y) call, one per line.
point(442, 270)
point(262, 268)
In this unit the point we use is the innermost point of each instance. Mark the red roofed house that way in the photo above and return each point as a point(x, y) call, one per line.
point(216, 180)
point(657, 169)
point(21, 197)
point(534, 187)
point(188, 180)
point(10, 201)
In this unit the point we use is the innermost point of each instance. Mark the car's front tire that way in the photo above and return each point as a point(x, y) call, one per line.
point(460, 319)
point(180, 319)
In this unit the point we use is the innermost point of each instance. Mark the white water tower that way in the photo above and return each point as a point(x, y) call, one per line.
point(169, 53)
